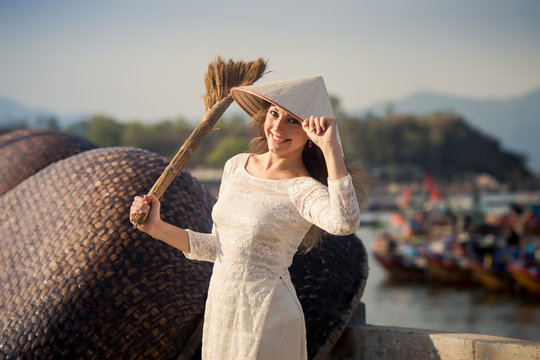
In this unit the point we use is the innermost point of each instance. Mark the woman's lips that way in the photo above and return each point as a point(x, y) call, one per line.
point(278, 139)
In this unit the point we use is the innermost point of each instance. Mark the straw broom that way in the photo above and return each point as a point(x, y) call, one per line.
point(219, 79)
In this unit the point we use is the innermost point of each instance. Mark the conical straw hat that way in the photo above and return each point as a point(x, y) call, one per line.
point(301, 97)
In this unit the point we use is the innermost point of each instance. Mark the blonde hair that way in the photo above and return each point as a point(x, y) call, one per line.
point(315, 164)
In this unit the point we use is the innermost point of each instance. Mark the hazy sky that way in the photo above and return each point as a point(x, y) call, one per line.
point(145, 60)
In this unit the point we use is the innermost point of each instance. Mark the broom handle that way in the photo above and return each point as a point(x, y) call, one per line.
point(182, 156)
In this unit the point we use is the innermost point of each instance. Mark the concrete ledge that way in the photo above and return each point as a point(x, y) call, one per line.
point(372, 342)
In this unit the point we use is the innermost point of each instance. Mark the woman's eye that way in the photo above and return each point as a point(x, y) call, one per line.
point(273, 113)
point(294, 121)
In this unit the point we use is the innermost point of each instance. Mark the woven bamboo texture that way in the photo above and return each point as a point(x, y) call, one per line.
point(25, 152)
point(329, 281)
point(78, 281)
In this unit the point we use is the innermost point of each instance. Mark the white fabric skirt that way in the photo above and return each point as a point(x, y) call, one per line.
point(283, 331)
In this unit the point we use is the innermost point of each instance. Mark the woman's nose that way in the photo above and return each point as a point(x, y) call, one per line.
point(280, 122)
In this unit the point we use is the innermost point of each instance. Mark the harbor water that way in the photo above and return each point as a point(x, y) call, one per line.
point(452, 309)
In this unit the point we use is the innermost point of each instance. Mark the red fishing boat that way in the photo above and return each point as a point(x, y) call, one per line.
point(527, 277)
point(399, 269)
point(402, 261)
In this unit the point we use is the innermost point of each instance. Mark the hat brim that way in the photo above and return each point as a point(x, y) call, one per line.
point(252, 102)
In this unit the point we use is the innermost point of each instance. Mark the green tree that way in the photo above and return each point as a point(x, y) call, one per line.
point(442, 144)
point(104, 131)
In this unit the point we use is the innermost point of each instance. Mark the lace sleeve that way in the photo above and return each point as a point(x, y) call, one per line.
point(202, 247)
point(334, 208)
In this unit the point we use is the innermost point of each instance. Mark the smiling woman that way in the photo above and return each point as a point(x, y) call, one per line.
point(274, 199)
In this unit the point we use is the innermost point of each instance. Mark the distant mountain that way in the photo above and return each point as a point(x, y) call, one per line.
point(515, 122)
point(14, 113)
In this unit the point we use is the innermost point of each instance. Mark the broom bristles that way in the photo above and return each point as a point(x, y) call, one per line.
point(222, 76)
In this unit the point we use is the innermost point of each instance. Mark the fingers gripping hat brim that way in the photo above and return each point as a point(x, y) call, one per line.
point(301, 97)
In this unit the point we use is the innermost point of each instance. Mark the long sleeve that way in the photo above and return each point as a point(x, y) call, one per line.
point(202, 247)
point(334, 208)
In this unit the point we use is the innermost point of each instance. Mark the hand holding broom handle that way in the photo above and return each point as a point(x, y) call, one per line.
point(219, 79)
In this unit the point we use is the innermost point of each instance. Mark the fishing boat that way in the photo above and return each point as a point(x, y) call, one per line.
point(401, 261)
point(527, 277)
point(399, 269)
point(495, 280)
point(448, 271)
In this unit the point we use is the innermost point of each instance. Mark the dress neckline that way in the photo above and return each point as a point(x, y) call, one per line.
point(244, 164)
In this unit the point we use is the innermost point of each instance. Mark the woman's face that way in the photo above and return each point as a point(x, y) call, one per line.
point(283, 132)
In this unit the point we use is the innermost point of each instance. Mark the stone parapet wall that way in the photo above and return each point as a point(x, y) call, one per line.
point(371, 342)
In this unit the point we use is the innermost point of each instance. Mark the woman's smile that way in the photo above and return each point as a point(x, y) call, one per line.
point(278, 139)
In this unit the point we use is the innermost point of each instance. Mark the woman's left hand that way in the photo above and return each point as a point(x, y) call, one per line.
point(322, 130)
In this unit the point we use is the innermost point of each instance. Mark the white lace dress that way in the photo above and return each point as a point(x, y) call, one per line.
point(252, 311)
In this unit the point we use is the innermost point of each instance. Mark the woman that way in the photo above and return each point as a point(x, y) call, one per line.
point(271, 200)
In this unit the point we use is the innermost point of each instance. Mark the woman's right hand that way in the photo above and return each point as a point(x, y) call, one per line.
point(140, 205)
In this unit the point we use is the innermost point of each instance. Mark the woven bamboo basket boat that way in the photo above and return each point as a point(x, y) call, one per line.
point(25, 152)
point(78, 281)
point(329, 281)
